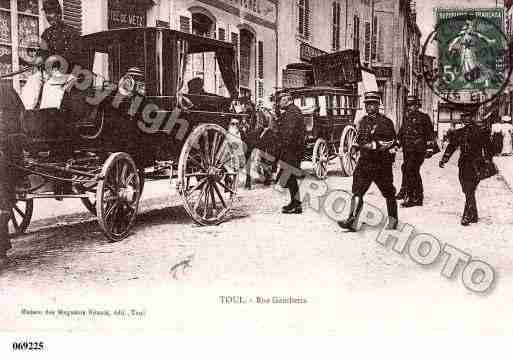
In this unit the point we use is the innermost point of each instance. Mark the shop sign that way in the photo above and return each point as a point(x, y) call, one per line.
point(382, 72)
point(294, 78)
point(126, 14)
point(337, 69)
point(263, 9)
point(307, 52)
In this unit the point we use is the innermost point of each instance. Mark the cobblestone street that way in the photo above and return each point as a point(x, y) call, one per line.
point(173, 272)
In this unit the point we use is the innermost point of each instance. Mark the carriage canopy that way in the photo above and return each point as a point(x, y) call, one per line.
point(160, 53)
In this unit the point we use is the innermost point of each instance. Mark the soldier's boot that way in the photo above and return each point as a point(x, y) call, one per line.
point(412, 200)
point(393, 217)
point(473, 210)
point(401, 194)
point(295, 206)
point(466, 218)
point(354, 212)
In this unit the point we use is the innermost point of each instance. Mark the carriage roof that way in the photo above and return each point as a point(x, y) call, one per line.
point(318, 91)
point(156, 42)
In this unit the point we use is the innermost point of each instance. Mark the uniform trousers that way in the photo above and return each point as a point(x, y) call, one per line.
point(377, 171)
point(413, 160)
point(469, 181)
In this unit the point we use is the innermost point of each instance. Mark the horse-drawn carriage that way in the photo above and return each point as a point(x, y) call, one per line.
point(126, 113)
point(329, 107)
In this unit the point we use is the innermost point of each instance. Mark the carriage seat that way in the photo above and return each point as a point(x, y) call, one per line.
point(56, 128)
point(209, 102)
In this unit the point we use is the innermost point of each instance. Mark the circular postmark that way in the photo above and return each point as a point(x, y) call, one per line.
point(474, 59)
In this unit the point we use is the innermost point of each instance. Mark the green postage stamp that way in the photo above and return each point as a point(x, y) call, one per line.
point(472, 50)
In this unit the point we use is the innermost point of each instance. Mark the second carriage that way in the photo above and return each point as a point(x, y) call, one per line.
point(329, 99)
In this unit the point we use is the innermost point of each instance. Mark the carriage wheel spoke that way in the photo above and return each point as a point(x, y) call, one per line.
point(15, 221)
point(226, 188)
point(206, 149)
point(197, 162)
point(196, 187)
point(19, 211)
point(214, 206)
point(195, 174)
point(219, 155)
point(196, 205)
point(213, 152)
point(205, 207)
point(219, 195)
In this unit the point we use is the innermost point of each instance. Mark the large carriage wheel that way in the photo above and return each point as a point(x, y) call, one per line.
point(117, 196)
point(207, 173)
point(348, 153)
point(21, 214)
point(320, 159)
point(90, 202)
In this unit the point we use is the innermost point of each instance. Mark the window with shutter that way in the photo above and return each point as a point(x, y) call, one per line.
point(367, 41)
point(335, 37)
point(356, 33)
point(381, 43)
point(235, 41)
point(374, 46)
point(304, 18)
point(260, 59)
point(185, 24)
point(222, 34)
point(72, 13)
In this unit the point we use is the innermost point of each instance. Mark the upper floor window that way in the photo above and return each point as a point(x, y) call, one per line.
point(356, 33)
point(335, 37)
point(304, 18)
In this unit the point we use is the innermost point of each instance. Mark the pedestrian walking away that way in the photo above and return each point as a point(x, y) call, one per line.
point(417, 138)
point(292, 141)
point(376, 138)
point(475, 148)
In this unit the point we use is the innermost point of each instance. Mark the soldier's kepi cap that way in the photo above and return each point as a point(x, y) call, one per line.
point(372, 96)
point(51, 6)
point(412, 99)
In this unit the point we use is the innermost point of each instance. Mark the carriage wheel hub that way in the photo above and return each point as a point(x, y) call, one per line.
point(127, 194)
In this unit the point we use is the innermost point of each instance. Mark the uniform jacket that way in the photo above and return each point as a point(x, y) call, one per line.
point(372, 129)
point(416, 133)
point(62, 40)
point(292, 134)
point(472, 140)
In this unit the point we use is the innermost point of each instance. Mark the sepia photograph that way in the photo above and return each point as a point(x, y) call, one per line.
point(255, 168)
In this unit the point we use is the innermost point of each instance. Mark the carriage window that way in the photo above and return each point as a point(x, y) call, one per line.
point(297, 102)
point(205, 66)
point(322, 106)
point(100, 68)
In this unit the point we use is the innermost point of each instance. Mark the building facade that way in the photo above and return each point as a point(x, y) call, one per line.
point(249, 24)
point(384, 31)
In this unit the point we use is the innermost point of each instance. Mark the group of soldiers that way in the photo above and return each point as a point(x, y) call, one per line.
point(378, 141)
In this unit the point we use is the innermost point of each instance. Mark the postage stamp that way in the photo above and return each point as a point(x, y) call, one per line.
point(473, 55)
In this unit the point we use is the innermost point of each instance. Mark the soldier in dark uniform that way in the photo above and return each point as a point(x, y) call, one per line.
point(292, 141)
point(416, 136)
point(376, 136)
point(11, 109)
point(473, 142)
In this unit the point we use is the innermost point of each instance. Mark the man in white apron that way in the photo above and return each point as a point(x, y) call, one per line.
point(54, 62)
